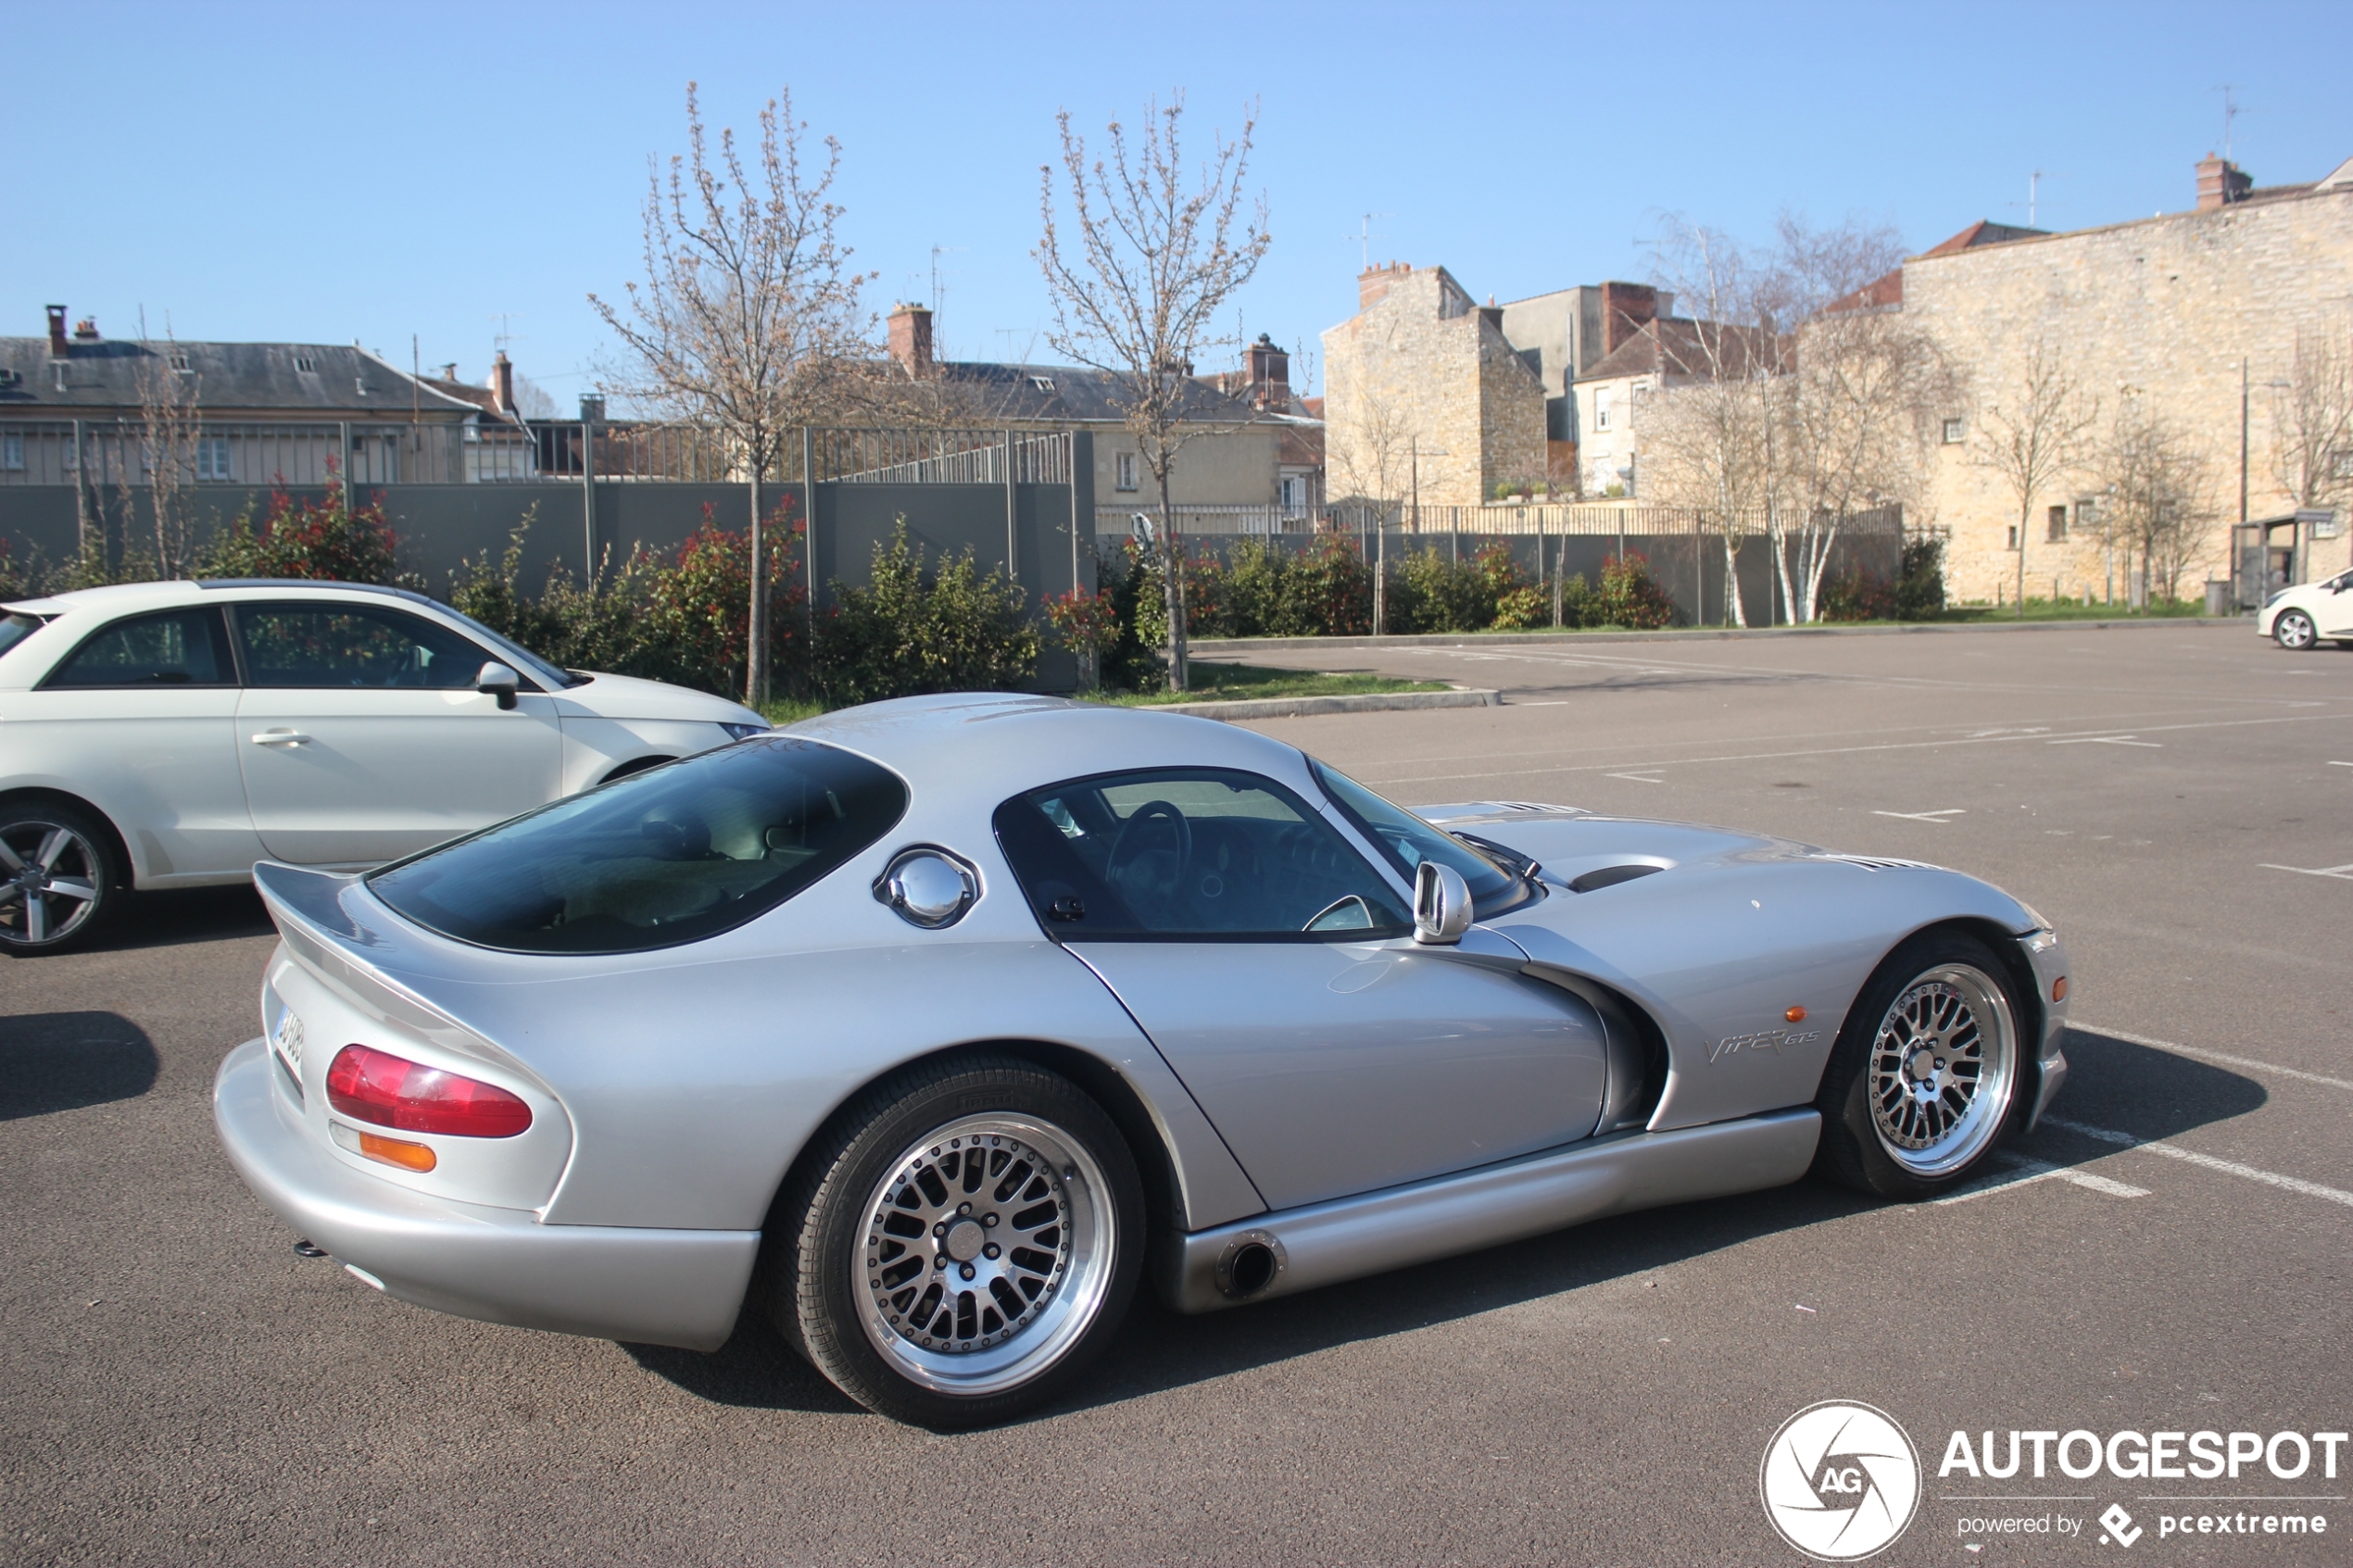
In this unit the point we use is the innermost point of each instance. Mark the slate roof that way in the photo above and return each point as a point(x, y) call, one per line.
point(1687, 348)
point(252, 379)
point(1069, 395)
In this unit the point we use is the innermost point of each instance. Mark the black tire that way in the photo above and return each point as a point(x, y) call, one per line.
point(1891, 1082)
point(2294, 631)
point(59, 879)
point(823, 1240)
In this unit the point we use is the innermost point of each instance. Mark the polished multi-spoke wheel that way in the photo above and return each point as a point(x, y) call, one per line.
point(1940, 1071)
point(2295, 631)
point(1925, 1074)
point(55, 878)
point(971, 1243)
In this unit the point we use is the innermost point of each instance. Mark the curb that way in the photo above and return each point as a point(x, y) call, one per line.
point(1215, 648)
point(1303, 707)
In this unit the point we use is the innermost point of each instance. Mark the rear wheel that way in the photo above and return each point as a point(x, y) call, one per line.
point(970, 1245)
point(58, 877)
point(2294, 629)
point(1925, 1075)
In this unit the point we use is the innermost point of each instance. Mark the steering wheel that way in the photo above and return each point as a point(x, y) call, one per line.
point(1135, 858)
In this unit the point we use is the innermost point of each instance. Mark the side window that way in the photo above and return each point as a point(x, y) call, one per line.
point(333, 644)
point(1189, 852)
point(180, 647)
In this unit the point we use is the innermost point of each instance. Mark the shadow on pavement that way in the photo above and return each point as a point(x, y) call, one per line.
point(2113, 1083)
point(182, 915)
point(65, 1061)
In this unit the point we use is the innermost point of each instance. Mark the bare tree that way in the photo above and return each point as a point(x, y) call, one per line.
point(749, 311)
point(168, 391)
point(2312, 422)
point(2157, 495)
point(1373, 464)
point(532, 400)
point(1151, 255)
point(2033, 436)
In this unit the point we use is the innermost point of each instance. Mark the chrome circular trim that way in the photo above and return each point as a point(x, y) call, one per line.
point(2295, 631)
point(49, 877)
point(988, 1252)
point(1942, 1066)
point(928, 886)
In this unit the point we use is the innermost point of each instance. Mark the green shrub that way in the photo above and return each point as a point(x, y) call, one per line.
point(907, 632)
point(1328, 591)
point(1853, 595)
point(1628, 596)
point(1919, 587)
point(322, 539)
point(1431, 591)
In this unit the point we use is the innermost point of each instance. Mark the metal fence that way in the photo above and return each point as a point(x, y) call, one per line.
point(113, 453)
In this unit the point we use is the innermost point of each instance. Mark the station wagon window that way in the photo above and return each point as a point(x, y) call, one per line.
point(334, 644)
point(672, 855)
point(1190, 852)
point(180, 647)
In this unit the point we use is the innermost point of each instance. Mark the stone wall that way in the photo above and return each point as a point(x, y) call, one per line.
point(2163, 311)
point(1420, 366)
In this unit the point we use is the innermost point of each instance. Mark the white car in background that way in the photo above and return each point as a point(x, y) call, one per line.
point(169, 735)
point(2296, 618)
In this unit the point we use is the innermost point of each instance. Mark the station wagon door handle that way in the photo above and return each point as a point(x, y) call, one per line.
point(280, 737)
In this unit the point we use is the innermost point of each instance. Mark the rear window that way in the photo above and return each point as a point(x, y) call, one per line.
point(177, 648)
point(669, 856)
point(15, 627)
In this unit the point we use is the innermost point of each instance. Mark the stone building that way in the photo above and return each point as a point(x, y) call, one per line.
point(1423, 394)
point(1608, 398)
point(1568, 331)
point(2174, 316)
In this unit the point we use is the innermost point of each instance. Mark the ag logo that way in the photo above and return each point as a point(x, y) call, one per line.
point(1840, 1481)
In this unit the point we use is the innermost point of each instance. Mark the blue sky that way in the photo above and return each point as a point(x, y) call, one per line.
point(328, 172)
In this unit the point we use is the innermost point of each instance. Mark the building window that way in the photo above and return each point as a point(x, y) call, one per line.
point(12, 452)
point(2013, 544)
point(1122, 472)
point(306, 364)
point(2087, 513)
point(212, 457)
point(180, 361)
point(1043, 383)
point(1601, 410)
point(1954, 430)
point(2057, 525)
point(1290, 492)
point(2341, 464)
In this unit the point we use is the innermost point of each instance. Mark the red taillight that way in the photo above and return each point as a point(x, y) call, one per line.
point(391, 1092)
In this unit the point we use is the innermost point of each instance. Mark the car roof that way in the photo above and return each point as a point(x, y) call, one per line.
point(118, 597)
point(992, 744)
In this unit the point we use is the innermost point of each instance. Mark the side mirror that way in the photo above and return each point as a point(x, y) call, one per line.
point(1441, 905)
point(496, 680)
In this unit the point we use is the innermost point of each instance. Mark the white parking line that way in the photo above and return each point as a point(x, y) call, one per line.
point(2105, 740)
point(2294, 1072)
point(2022, 1172)
point(2343, 873)
point(1936, 816)
point(1636, 777)
point(2191, 1156)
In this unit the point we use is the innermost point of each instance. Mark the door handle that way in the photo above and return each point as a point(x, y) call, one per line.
point(280, 737)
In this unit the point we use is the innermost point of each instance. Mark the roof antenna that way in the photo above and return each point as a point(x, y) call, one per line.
point(2034, 191)
point(2230, 111)
point(1364, 238)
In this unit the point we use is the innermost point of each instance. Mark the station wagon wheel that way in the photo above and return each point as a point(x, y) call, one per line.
point(973, 1243)
point(2295, 631)
point(56, 877)
point(1924, 1077)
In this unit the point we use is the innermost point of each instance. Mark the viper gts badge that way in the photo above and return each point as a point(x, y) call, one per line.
point(1774, 1040)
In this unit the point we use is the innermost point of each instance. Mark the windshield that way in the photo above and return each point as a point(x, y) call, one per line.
point(1408, 841)
point(672, 855)
point(16, 627)
point(521, 657)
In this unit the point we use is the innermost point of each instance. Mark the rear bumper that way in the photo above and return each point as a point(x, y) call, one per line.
point(501, 1265)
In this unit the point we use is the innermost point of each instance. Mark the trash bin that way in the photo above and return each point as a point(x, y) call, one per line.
point(2217, 596)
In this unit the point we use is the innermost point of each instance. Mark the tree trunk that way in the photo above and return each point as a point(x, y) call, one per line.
point(1172, 585)
point(2025, 512)
point(1732, 580)
point(1816, 565)
point(756, 617)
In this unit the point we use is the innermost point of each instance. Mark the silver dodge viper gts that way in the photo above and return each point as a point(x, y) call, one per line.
point(926, 1029)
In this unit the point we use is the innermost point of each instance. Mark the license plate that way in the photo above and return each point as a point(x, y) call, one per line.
point(287, 1040)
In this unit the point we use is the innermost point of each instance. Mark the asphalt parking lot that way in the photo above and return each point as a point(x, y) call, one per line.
point(177, 1385)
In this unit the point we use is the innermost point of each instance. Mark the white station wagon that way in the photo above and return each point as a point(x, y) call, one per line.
point(169, 735)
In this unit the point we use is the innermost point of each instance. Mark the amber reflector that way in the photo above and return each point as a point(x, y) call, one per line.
point(2059, 989)
point(1795, 1015)
point(397, 1151)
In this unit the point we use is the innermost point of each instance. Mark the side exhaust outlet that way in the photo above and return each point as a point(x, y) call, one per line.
point(1252, 1263)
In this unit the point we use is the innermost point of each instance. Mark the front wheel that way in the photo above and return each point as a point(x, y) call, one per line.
point(1926, 1071)
point(972, 1242)
point(2294, 631)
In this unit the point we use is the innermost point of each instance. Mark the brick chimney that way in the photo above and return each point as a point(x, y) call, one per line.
point(1373, 283)
point(2220, 183)
point(502, 384)
point(56, 331)
point(86, 330)
point(1269, 369)
point(910, 340)
point(1626, 309)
